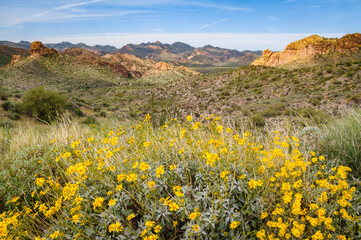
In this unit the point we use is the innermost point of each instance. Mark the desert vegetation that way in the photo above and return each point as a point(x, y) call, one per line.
point(194, 178)
point(109, 147)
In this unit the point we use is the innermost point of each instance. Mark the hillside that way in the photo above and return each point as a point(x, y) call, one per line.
point(189, 56)
point(7, 53)
point(310, 49)
point(91, 81)
point(125, 85)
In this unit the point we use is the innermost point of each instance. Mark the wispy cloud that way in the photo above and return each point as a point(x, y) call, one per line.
point(273, 30)
point(288, 1)
point(214, 23)
point(204, 26)
point(209, 5)
point(63, 12)
point(67, 6)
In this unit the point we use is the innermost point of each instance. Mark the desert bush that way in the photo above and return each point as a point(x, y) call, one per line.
point(258, 119)
point(6, 124)
point(192, 180)
point(43, 104)
point(6, 106)
point(90, 120)
point(14, 116)
point(3, 96)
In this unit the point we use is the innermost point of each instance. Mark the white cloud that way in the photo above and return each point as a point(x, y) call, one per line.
point(204, 26)
point(76, 4)
point(239, 41)
point(63, 12)
point(288, 1)
point(211, 24)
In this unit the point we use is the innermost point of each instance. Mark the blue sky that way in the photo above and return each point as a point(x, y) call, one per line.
point(236, 24)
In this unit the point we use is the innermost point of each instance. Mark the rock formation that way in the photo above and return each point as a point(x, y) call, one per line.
point(162, 66)
point(38, 49)
point(16, 58)
point(305, 49)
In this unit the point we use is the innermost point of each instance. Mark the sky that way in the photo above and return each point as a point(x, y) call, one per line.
point(234, 24)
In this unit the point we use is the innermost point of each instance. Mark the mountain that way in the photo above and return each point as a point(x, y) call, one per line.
point(129, 86)
point(102, 49)
point(21, 44)
point(310, 49)
point(7, 53)
point(91, 81)
point(125, 65)
point(177, 53)
point(187, 55)
point(67, 45)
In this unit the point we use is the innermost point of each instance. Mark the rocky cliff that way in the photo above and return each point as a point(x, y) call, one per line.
point(38, 49)
point(309, 47)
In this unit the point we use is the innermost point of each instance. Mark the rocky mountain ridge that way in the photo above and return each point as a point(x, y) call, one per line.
point(177, 53)
point(184, 54)
point(125, 65)
point(309, 48)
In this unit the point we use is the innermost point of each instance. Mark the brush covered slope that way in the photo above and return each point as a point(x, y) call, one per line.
point(263, 92)
point(10, 54)
point(257, 91)
point(91, 81)
point(309, 49)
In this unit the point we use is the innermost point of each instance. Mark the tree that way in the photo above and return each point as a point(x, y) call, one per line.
point(43, 104)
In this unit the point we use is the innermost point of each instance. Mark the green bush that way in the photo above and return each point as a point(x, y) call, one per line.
point(6, 124)
point(90, 120)
point(14, 116)
point(258, 120)
point(6, 106)
point(43, 104)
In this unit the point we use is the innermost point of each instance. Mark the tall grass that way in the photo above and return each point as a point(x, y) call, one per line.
point(30, 133)
point(341, 140)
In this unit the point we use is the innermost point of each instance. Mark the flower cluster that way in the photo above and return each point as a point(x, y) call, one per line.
point(189, 180)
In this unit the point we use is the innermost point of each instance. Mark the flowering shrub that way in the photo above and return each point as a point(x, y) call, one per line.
point(196, 180)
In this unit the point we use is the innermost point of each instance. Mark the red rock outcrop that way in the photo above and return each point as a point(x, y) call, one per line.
point(38, 49)
point(307, 48)
point(162, 66)
point(15, 59)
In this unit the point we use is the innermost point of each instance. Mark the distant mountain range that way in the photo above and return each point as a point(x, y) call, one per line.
point(187, 55)
point(63, 46)
point(178, 53)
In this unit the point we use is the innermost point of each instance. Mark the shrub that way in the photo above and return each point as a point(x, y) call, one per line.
point(102, 114)
point(3, 96)
point(258, 120)
point(14, 116)
point(43, 104)
point(197, 180)
point(6, 124)
point(90, 120)
point(6, 106)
